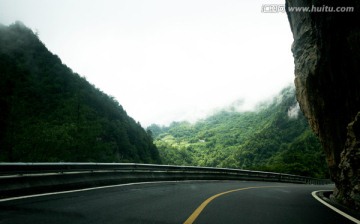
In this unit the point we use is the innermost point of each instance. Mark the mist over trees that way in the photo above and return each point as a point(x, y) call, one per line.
point(276, 137)
point(49, 113)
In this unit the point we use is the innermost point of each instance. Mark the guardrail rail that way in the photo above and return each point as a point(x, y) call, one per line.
point(29, 178)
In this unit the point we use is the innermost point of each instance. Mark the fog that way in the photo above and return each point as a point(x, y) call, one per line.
point(167, 60)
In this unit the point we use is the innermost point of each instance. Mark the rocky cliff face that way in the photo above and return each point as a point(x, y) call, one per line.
point(326, 51)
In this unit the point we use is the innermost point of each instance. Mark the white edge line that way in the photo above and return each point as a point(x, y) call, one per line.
point(333, 208)
point(95, 188)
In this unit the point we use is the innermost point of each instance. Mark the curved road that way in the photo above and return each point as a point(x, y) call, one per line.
point(176, 202)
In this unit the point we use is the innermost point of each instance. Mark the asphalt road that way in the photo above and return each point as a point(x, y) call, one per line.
point(247, 202)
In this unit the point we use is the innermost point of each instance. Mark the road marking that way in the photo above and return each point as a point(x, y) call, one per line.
point(197, 212)
point(101, 187)
point(333, 208)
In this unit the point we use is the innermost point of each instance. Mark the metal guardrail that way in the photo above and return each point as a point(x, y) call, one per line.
point(8, 170)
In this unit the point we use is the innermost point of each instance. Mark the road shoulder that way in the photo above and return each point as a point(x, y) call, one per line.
point(324, 198)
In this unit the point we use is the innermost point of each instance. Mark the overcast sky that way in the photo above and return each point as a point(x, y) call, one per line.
point(166, 60)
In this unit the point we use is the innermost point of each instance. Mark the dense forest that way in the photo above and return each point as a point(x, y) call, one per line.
point(274, 137)
point(49, 113)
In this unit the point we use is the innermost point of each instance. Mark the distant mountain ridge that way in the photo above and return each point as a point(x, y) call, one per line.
point(276, 137)
point(49, 113)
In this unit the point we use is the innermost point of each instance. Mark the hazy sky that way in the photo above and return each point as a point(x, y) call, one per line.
point(166, 60)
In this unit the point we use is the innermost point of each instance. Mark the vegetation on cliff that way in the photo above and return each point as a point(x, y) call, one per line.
point(275, 137)
point(49, 113)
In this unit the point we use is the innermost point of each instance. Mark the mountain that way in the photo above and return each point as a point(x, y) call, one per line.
point(51, 114)
point(275, 137)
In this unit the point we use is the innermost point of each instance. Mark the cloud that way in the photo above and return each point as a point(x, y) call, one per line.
point(293, 111)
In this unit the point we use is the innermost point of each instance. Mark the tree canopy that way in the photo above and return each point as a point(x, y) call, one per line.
point(275, 137)
point(49, 113)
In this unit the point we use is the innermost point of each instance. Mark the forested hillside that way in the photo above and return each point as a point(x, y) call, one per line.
point(49, 113)
point(275, 137)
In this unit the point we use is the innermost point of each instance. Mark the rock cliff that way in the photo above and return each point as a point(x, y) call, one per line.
point(326, 52)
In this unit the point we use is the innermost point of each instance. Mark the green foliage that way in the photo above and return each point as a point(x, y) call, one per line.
point(49, 113)
point(267, 139)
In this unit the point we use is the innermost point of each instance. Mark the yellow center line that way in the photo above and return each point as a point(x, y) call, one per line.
point(197, 212)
